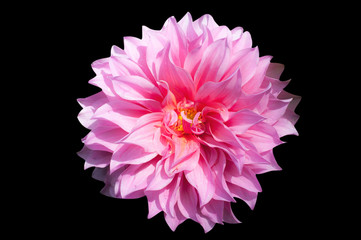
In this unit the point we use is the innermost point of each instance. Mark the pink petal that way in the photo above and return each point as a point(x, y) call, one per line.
point(222, 32)
point(258, 163)
point(214, 63)
point(243, 42)
point(188, 199)
point(222, 192)
point(180, 82)
point(228, 215)
point(94, 158)
point(263, 136)
point(104, 81)
point(104, 138)
point(248, 65)
point(201, 178)
point(130, 154)
point(252, 101)
point(135, 178)
point(123, 113)
point(132, 46)
point(275, 70)
point(246, 180)
point(242, 120)
point(160, 179)
point(196, 52)
point(173, 222)
point(249, 197)
point(205, 222)
point(276, 108)
point(186, 24)
point(101, 65)
point(153, 204)
point(277, 85)
point(168, 195)
point(225, 92)
point(285, 127)
point(258, 77)
point(206, 21)
point(136, 88)
point(90, 104)
point(186, 154)
point(213, 211)
point(235, 153)
point(137, 51)
point(179, 42)
point(143, 132)
point(222, 133)
point(235, 60)
point(124, 66)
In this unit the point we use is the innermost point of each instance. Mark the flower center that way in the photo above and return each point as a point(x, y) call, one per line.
point(189, 119)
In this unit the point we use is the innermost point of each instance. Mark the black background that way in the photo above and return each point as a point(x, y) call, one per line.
point(303, 200)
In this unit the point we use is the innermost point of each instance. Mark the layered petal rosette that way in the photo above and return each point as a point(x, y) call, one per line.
point(187, 116)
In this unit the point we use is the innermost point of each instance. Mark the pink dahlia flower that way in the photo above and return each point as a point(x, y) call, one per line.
point(187, 116)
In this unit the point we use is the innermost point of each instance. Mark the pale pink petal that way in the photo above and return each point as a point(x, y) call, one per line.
point(275, 70)
point(201, 178)
point(285, 127)
point(234, 153)
point(123, 113)
point(249, 197)
point(160, 179)
point(222, 133)
point(186, 23)
point(263, 136)
point(188, 200)
point(276, 108)
point(178, 39)
point(179, 81)
point(249, 65)
point(261, 163)
point(153, 204)
point(104, 81)
point(101, 66)
point(130, 154)
point(186, 154)
point(258, 77)
point(246, 180)
point(90, 104)
point(136, 178)
point(243, 42)
point(136, 88)
point(195, 55)
point(252, 101)
point(222, 192)
point(237, 33)
point(104, 138)
point(136, 49)
point(239, 122)
point(168, 195)
point(94, 158)
point(143, 131)
point(213, 211)
point(173, 222)
point(206, 21)
point(205, 222)
point(228, 215)
point(214, 63)
point(226, 92)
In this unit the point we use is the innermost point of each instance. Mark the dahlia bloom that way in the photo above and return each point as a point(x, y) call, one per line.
point(187, 116)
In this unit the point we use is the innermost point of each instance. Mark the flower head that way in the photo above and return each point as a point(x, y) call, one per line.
point(186, 116)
